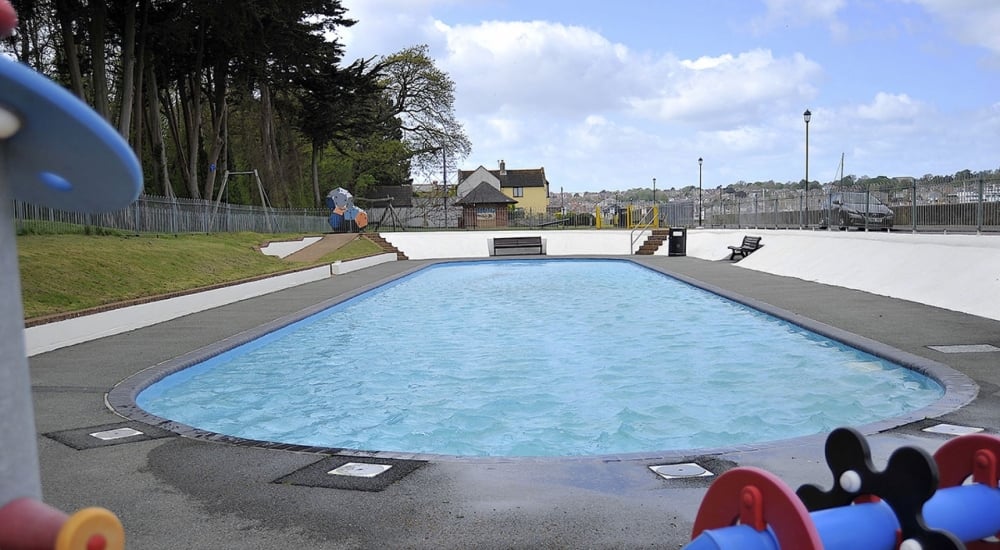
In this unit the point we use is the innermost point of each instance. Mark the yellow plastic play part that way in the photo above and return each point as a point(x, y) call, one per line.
point(91, 529)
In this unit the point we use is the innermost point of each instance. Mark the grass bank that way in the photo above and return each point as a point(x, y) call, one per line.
point(69, 273)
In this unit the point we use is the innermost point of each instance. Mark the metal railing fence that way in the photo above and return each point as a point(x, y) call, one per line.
point(152, 214)
point(962, 206)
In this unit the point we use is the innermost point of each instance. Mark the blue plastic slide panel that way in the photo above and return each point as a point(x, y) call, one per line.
point(64, 156)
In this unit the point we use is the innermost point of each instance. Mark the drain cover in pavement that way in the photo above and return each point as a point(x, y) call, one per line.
point(352, 473)
point(674, 471)
point(108, 434)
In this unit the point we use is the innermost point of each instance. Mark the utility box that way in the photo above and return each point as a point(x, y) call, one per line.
point(677, 242)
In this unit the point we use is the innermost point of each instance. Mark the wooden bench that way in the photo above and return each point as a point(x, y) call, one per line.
point(749, 245)
point(517, 245)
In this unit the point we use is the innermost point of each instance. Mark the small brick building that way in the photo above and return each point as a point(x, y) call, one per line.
point(485, 206)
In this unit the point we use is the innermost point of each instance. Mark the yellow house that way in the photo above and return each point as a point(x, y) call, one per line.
point(526, 186)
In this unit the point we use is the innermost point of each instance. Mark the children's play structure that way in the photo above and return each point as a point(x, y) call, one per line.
point(918, 502)
point(340, 201)
point(54, 151)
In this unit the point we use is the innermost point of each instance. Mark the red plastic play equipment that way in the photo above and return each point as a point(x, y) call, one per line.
point(8, 19)
point(904, 506)
point(27, 524)
point(57, 152)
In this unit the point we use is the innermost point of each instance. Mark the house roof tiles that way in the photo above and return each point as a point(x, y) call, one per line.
point(528, 177)
point(485, 193)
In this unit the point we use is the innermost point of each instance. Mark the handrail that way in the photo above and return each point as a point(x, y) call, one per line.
point(641, 227)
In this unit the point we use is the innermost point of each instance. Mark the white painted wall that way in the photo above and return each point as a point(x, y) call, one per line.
point(956, 272)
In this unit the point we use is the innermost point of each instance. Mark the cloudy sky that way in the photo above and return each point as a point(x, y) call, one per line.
point(611, 94)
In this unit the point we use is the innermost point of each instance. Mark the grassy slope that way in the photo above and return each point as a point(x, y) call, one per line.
point(66, 273)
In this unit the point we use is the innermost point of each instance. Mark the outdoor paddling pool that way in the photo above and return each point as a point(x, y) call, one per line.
point(536, 358)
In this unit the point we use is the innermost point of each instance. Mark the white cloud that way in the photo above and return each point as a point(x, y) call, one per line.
point(508, 130)
point(970, 21)
point(746, 139)
point(559, 70)
point(891, 108)
point(796, 13)
point(388, 26)
point(728, 89)
point(535, 66)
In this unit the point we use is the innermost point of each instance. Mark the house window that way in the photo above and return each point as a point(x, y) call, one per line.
point(518, 191)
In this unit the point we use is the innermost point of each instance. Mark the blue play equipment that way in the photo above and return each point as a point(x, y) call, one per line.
point(57, 152)
point(950, 501)
point(341, 203)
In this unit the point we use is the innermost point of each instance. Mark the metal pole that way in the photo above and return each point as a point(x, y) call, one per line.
point(699, 192)
point(444, 185)
point(756, 212)
point(800, 208)
point(19, 475)
point(979, 209)
point(807, 116)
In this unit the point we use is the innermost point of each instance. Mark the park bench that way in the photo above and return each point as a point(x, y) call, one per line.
point(749, 245)
point(517, 245)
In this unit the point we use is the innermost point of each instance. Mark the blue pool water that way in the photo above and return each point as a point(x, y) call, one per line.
point(537, 358)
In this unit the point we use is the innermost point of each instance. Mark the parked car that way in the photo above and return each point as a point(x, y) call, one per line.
point(849, 209)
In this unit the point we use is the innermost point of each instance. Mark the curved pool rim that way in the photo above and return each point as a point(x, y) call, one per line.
point(959, 389)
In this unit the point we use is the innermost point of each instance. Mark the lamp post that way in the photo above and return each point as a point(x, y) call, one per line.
point(806, 116)
point(444, 186)
point(654, 190)
point(699, 191)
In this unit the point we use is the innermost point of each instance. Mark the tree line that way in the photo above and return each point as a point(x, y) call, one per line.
point(201, 87)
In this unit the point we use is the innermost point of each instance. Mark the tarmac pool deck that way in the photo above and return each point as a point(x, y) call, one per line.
point(181, 492)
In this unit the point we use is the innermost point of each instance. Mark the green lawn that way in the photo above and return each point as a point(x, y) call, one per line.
point(68, 273)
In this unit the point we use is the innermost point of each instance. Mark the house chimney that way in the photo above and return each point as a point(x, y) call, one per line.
point(503, 168)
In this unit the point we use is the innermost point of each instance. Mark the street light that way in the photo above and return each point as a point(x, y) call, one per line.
point(806, 116)
point(699, 191)
point(654, 190)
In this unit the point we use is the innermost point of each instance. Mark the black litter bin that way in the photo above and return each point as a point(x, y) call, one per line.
point(677, 242)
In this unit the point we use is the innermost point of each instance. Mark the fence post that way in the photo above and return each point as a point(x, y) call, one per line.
point(173, 214)
point(800, 211)
point(979, 209)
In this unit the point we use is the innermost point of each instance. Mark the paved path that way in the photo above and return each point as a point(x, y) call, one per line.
point(175, 492)
point(329, 243)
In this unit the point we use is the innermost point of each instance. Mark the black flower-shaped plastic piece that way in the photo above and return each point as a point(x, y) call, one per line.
point(908, 481)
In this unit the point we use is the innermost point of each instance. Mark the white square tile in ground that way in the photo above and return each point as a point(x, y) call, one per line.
point(359, 469)
point(674, 471)
point(119, 433)
point(952, 429)
point(966, 348)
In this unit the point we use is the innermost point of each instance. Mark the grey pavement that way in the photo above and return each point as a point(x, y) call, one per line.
point(181, 492)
